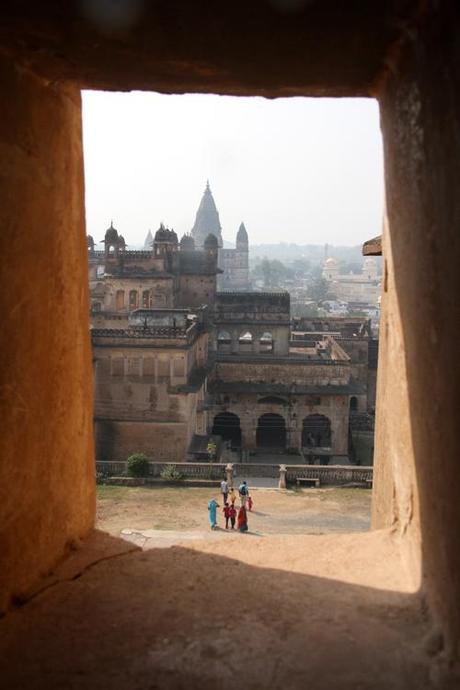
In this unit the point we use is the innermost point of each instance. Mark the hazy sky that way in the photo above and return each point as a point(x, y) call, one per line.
point(293, 169)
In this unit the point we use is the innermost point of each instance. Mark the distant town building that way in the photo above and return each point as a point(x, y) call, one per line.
point(363, 288)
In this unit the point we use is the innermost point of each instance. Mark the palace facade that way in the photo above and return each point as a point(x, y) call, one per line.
point(176, 361)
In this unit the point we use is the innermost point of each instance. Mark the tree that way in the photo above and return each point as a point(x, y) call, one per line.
point(319, 289)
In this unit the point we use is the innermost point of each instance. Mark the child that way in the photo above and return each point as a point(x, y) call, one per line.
point(232, 514)
point(226, 511)
point(232, 496)
point(249, 503)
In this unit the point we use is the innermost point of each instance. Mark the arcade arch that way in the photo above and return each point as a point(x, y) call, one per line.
point(316, 431)
point(266, 342)
point(271, 431)
point(227, 426)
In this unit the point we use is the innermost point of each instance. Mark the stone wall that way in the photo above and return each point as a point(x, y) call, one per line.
point(46, 445)
point(287, 373)
point(417, 439)
point(117, 440)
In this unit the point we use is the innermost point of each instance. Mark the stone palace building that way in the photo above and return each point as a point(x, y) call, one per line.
point(176, 361)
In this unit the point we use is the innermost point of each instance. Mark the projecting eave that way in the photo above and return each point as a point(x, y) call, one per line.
point(373, 247)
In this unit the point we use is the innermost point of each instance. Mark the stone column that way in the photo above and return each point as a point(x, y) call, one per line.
point(46, 445)
point(282, 479)
point(229, 473)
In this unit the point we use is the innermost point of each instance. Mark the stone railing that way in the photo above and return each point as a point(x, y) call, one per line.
point(112, 468)
point(334, 475)
point(328, 475)
point(245, 470)
point(188, 470)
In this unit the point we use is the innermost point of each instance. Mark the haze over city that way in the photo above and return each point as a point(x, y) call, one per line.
point(299, 170)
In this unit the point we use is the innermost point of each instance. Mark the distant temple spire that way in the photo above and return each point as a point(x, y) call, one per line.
point(207, 220)
point(148, 240)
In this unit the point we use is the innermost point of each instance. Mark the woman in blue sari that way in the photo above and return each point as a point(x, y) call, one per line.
point(212, 509)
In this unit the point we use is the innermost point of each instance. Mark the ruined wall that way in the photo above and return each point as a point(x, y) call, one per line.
point(194, 291)
point(117, 440)
point(137, 404)
point(273, 372)
point(417, 467)
point(47, 496)
point(161, 292)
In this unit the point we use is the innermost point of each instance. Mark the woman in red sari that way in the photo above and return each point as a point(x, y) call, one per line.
point(242, 524)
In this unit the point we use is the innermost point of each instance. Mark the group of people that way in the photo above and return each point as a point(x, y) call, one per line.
point(231, 514)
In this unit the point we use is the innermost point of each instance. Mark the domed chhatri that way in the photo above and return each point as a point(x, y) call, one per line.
point(211, 242)
point(187, 242)
point(111, 235)
point(162, 234)
point(331, 262)
point(165, 235)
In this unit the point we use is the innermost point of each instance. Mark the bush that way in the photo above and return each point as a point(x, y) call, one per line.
point(171, 472)
point(101, 477)
point(138, 465)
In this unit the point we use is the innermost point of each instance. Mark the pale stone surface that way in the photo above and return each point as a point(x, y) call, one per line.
point(295, 612)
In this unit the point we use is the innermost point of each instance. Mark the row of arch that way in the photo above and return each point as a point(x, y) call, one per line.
point(136, 298)
point(245, 340)
point(271, 430)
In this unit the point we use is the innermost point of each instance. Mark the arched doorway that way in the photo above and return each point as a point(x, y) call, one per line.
point(316, 431)
point(227, 426)
point(271, 431)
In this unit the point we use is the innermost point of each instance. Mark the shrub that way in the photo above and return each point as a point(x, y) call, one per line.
point(101, 477)
point(138, 465)
point(171, 472)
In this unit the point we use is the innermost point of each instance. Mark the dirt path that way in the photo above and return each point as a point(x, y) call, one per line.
point(183, 511)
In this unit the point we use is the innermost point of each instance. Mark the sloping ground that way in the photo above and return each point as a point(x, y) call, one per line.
point(318, 612)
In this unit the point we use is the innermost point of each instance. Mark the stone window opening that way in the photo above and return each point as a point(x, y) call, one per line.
point(245, 341)
point(146, 299)
point(224, 341)
point(424, 510)
point(266, 343)
point(120, 300)
point(133, 299)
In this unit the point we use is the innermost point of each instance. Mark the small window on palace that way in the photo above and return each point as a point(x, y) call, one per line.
point(245, 338)
point(120, 300)
point(103, 366)
point(266, 342)
point(133, 302)
point(149, 366)
point(133, 367)
point(117, 366)
point(146, 299)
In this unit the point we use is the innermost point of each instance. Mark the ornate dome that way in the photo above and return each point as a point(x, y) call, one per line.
point(162, 234)
point(187, 242)
point(331, 262)
point(111, 235)
point(211, 242)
